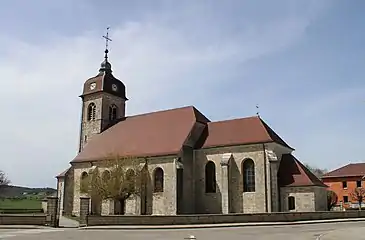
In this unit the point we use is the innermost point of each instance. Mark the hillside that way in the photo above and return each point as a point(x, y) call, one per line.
point(17, 191)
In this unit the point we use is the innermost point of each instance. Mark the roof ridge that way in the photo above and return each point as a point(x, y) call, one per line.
point(308, 173)
point(347, 169)
point(233, 119)
point(289, 176)
point(160, 111)
point(272, 134)
point(348, 164)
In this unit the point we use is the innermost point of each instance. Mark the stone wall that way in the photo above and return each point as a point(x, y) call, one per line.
point(102, 102)
point(164, 203)
point(68, 192)
point(156, 203)
point(239, 201)
point(20, 219)
point(224, 218)
point(320, 194)
point(305, 198)
point(78, 169)
point(61, 194)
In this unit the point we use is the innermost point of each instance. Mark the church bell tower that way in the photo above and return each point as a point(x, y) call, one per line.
point(103, 101)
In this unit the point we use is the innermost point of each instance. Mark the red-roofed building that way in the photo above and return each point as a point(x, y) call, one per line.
point(232, 166)
point(343, 181)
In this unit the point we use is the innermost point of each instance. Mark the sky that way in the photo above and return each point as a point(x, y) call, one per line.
point(302, 62)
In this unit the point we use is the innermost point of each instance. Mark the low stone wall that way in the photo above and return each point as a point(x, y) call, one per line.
point(23, 219)
point(213, 218)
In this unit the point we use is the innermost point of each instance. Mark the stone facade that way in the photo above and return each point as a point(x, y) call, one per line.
point(60, 193)
point(239, 201)
point(229, 196)
point(102, 103)
point(304, 199)
point(156, 203)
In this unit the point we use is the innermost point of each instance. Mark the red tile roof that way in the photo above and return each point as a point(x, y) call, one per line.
point(292, 173)
point(152, 134)
point(349, 170)
point(164, 133)
point(240, 131)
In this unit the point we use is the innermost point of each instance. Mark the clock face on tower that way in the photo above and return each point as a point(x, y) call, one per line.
point(114, 87)
point(92, 86)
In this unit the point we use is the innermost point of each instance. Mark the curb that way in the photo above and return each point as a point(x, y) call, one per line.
point(23, 227)
point(225, 225)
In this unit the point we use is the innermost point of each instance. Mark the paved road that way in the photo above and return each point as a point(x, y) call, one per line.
point(298, 232)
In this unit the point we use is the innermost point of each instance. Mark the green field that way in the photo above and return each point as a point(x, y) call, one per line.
point(27, 204)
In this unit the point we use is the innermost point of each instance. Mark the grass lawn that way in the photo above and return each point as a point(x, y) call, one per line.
point(29, 203)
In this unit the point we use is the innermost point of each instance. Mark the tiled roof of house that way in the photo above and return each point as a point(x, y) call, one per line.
point(349, 170)
point(164, 133)
point(292, 173)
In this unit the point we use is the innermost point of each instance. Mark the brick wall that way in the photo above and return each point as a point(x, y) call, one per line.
point(335, 184)
point(212, 218)
point(20, 219)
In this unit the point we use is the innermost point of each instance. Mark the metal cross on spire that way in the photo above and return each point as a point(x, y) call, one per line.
point(258, 112)
point(105, 65)
point(107, 39)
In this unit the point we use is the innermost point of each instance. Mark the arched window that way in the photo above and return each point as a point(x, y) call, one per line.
point(248, 171)
point(158, 180)
point(84, 183)
point(210, 178)
point(113, 110)
point(91, 112)
point(291, 203)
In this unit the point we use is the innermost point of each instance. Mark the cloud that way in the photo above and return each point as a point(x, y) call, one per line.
point(161, 65)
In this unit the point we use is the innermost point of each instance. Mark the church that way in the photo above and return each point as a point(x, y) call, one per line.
point(195, 165)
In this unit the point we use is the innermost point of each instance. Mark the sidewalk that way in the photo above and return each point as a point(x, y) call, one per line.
point(23, 227)
point(64, 223)
point(357, 233)
point(223, 225)
point(68, 223)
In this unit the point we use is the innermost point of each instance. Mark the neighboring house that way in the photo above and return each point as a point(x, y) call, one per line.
point(193, 165)
point(344, 180)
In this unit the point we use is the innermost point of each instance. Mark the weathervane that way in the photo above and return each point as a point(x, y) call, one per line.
point(258, 112)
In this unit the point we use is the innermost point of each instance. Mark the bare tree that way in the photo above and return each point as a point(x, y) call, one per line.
point(358, 195)
point(3, 179)
point(121, 179)
point(331, 199)
point(316, 171)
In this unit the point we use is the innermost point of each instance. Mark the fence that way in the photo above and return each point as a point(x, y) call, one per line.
point(92, 220)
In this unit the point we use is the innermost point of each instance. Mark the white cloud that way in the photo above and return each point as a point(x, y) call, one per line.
point(40, 83)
